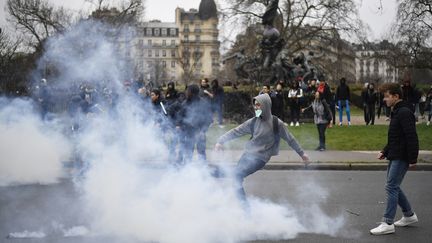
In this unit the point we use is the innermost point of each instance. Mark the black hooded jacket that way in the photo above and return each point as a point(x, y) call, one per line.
point(195, 114)
point(343, 91)
point(402, 140)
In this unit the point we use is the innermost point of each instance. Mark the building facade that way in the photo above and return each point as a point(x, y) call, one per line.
point(184, 51)
point(372, 64)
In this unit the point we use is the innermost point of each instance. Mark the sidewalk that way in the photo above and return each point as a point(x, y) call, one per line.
point(327, 160)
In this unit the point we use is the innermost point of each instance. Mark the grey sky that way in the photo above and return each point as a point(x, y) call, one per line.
point(379, 21)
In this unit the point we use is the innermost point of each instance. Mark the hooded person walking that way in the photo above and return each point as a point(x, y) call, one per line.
point(266, 131)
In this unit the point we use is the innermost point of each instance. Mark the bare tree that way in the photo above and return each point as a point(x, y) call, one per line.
point(302, 21)
point(37, 19)
point(126, 12)
point(413, 33)
point(12, 65)
point(190, 62)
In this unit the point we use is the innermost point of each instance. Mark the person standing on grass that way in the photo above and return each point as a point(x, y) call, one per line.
point(294, 96)
point(266, 131)
point(322, 117)
point(402, 151)
point(278, 105)
point(429, 105)
point(371, 100)
point(343, 98)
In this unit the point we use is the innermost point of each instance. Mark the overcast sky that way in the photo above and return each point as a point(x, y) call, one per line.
point(379, 21)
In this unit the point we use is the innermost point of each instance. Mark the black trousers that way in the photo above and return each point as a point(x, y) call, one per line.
point(321, 133)
point(295, 111)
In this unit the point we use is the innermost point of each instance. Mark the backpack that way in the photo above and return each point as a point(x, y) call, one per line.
point(275, 127)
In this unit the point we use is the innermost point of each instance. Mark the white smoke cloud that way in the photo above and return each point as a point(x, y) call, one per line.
point(127, 196)
point(31, 150)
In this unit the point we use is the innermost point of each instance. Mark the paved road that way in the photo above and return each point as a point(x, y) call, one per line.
point(358, 196)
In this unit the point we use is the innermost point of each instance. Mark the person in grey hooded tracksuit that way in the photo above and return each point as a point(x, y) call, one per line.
point(264, 142)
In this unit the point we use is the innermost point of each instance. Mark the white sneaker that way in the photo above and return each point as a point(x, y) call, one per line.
point(292, 124)
point(383, 229)
point(349, 123)
point(404, 221)
point(428, 123)
point(297, 124)
point(340, 123)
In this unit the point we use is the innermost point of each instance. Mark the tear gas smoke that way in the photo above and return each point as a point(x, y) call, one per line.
point(31, 151)
point(130, 198)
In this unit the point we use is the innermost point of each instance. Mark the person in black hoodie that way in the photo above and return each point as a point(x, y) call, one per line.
point(194, 119)
point(278, 102)
point(343, 98)
point(218, 100)
point(370, 100)
point(171, 93)
point(402, 151)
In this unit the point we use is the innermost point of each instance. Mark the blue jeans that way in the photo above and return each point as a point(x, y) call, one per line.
point(396, 171)
point(341, 104)
point(247, 165)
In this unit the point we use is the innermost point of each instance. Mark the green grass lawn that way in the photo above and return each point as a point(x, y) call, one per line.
point(359, 137)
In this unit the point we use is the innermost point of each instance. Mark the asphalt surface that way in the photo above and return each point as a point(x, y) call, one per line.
point(357, 196)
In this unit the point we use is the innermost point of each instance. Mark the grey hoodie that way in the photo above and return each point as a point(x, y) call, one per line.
point(263, 144)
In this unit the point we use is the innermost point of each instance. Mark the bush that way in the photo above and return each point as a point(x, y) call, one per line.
point(238, 106)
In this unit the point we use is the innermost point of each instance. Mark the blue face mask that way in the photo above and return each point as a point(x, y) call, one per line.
point(258, 113)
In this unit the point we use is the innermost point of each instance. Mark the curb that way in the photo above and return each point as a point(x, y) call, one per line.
point(339, 166)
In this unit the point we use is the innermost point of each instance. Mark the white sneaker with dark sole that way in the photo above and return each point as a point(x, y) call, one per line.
point(405, 221)
point(383, 229)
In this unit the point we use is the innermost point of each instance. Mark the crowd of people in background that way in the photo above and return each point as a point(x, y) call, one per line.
point(184, 116)
point(289, 99)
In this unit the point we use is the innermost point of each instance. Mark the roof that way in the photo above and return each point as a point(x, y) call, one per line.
point(207, 9)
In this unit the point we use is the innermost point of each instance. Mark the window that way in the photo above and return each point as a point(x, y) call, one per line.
point(186, 38)
point(164, 64)
point(173, 64)
point(164, 53)
point(173, 32)
point(164, 32)
point(173, 53)
point(150, 53)
point(148, 31)
point(197, 38)
point(156, 32)
point(140, 43)
point(149, 42)
point(163, 42)
point(197, 28)
point(156, 53)
point(172, 42)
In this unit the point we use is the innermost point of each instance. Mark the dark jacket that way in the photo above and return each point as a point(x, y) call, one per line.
point(402, 140)
point(171, 93)
point(194, 115)
point(343, 92)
